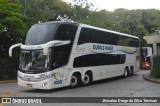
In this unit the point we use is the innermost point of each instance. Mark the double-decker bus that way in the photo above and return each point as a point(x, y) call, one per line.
point(146, 55)
point(57, 54)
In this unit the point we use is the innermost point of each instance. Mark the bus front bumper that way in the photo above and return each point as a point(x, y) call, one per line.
point(44, 84)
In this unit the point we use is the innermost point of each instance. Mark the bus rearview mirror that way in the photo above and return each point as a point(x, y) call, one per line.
point(53, 43)
point(12, 47)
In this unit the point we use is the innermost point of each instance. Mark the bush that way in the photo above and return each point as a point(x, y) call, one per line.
point(155, 68)
point(8, 68)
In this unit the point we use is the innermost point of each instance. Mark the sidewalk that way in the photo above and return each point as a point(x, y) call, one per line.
point(8, 81)
point(148, 77)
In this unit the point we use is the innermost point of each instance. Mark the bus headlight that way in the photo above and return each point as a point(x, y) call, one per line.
point(44, 84)
point(147, 65)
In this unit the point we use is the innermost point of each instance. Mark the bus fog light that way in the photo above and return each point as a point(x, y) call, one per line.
point(65, 78)
point(44, 84)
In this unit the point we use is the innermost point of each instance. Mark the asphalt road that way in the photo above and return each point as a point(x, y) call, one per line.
point(133, 86)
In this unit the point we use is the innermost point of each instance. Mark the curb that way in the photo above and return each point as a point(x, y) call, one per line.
point(8, 81)
point(148, 78)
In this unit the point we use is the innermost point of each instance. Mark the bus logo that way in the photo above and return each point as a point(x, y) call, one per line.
point(102, 47)
point(58, 82)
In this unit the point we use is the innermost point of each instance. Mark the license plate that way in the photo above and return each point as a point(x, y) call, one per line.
point(29, 85)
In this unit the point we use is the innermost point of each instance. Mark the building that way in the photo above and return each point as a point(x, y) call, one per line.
point(154, 42)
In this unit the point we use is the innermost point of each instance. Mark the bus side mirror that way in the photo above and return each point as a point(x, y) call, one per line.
point(12, 47)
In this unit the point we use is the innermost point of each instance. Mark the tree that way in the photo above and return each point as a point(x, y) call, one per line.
point(11, 20)
point(12, 30)
point(151, 19)
point(45, 10)
point(81, 10)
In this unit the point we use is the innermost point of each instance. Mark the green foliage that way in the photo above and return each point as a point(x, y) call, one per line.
point(11, 20)
point(45, 10)
point(155, 68)
point(135, 22)
point(18, 15)
point(143, 43)
point(81, 10)
point(151, 19)
point(8, 68)
point(12, 29)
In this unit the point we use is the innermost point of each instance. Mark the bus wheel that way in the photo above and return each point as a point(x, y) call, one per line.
point(126, 73)
point(86, 79)
point(132, 71)
point(74, 81)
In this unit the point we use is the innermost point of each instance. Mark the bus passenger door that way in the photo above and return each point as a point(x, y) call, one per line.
point(57, 63)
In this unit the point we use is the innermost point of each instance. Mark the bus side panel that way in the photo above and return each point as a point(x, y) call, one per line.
point(109, 71)
point(132, 60)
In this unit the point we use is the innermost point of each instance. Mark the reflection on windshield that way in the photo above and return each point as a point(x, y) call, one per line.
point(40, 34)
point(32, 60)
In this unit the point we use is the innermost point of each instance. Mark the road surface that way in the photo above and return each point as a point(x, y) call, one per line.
point(133, 86)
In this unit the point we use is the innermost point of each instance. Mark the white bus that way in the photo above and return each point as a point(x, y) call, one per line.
point(57, 54)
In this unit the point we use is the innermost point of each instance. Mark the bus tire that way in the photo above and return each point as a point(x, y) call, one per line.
point(132, 71)
point(86, 79)
point(126, 73)
point(75, 80)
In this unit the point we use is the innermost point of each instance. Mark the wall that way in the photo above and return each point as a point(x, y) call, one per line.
point(155, 41)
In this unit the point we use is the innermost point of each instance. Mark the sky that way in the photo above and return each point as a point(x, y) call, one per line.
point(111, 5)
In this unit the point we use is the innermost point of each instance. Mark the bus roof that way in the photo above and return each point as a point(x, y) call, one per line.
point(89, 26)
point(102, 29)
point(59, 22)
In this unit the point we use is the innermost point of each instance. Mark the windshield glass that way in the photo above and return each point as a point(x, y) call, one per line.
point(33, 60)
point(148, 59)
point(40, 34)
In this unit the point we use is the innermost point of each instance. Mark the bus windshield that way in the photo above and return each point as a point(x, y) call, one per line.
point(40, 34)
point(33, 60)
